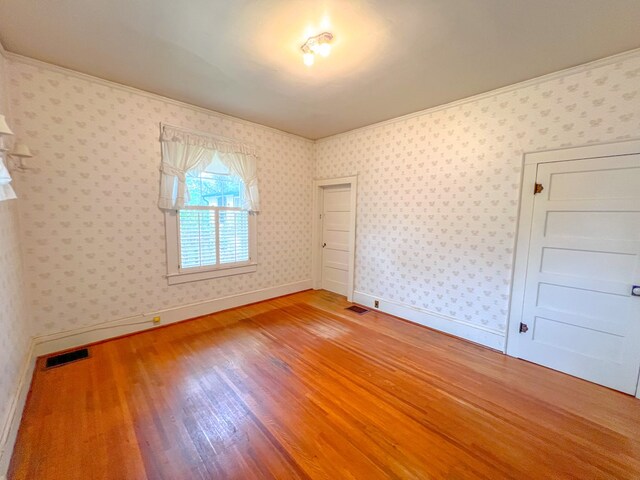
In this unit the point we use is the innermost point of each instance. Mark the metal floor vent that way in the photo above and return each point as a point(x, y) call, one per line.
point(67, 357)
point(357, 309)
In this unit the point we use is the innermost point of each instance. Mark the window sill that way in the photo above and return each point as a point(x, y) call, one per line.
point(185, 277)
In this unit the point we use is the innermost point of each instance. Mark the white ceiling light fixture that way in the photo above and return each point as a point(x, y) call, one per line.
point(316, 45)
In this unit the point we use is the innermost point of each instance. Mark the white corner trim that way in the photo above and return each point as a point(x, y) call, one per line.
point(601, 62)
point(82, 336)
point(326, 182)
point(592, 150)
point(12, 424)
point(154, 96)
point(475, 333)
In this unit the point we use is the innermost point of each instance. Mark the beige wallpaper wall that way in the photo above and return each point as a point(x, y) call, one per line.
point(438, 192)
point(15, 334)
point(93, 236)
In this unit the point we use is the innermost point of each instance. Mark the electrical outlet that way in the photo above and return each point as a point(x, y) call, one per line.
point(156, 320)
point(376, 304)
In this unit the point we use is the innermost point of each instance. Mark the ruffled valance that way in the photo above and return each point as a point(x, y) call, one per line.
point(184, 151)
point(174, 135)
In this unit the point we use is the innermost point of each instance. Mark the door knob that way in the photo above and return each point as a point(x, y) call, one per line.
point(324, 245)
point(635, 290)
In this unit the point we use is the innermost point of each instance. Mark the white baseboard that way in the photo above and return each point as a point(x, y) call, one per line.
point(10, 428)
point(469, 331)
point(82, 336)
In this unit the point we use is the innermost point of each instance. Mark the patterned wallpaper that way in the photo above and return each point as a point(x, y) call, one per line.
point(15, 334)
point(438, 193)
point(93, 236)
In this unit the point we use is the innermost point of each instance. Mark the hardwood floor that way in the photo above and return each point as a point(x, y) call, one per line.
point(298, 387)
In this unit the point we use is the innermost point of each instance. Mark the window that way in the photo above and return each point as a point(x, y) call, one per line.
point(211, 235)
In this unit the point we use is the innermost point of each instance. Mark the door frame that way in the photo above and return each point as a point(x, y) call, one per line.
point(525, 214)
point(318, 198)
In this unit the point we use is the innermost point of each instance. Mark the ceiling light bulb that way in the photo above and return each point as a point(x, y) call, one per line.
point(308, 59)
point(324, 49)
point(319, 44)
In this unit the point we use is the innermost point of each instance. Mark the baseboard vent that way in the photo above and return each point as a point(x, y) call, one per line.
point(357, 309)
point(67, 357)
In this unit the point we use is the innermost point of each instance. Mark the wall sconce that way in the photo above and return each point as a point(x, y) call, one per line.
point(20, 152)
point(4, 131)
point(6, 192)
point(4, 128)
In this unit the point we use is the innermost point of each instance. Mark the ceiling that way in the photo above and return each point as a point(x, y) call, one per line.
point(389, 58)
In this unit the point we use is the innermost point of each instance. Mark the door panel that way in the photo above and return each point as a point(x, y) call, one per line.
point(611, 225)
point(336, 258)
point(615, 267)
point(584, 257)
point(336, 213)
point(584, 341)
point(618, 183)
point(337, 198)
point(336, 239)
point(337, 220)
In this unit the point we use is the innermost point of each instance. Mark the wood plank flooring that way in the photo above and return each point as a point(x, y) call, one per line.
point(298, 387)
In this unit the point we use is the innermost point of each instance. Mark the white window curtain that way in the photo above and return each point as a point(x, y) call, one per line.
point(245, 166)
point(184, 151)
point(6, 191)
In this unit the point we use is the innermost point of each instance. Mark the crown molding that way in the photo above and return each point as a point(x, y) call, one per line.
point(620, 57)
point(14, 57)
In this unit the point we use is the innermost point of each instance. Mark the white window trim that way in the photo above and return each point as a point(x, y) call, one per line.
point(176, 276)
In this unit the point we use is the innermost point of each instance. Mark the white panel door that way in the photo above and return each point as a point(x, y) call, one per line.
point(336, 213)
point(579, 313)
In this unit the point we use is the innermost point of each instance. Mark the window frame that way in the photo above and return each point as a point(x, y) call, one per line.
point(177, 275)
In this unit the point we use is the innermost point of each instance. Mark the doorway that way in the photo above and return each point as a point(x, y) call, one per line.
point(576, 299)
point(334, 235)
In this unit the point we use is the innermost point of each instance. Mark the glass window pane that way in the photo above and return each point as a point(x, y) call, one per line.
point(214, 187)
point(234, 236)
point(189, 239)
point(197, 238)
point(207, 237)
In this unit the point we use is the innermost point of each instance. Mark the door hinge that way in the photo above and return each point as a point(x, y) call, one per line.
point(523, 328)
point(538, 188)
